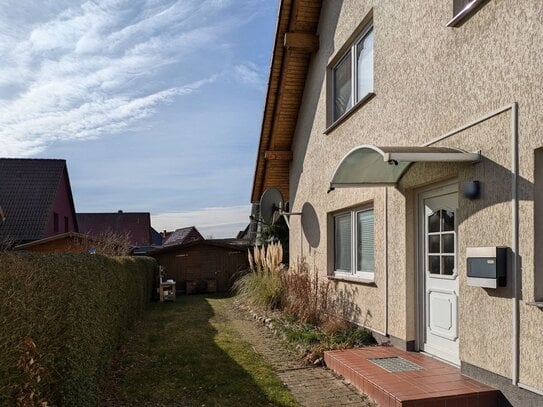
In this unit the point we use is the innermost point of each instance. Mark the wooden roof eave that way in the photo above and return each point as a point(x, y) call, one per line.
point(271, 97)
point(295, 40)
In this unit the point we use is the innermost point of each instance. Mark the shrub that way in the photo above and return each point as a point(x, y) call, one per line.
point(108, 243)
point(263, 286)
point(307, 298)
point(313, 340)
point(312, 316)
point(72, 311)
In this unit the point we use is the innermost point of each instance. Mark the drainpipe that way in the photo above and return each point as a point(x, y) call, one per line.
point(515, 242)
point(515, 362)
point(385, 255)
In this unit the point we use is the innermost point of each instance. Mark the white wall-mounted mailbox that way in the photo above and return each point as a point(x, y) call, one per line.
point(487, 266)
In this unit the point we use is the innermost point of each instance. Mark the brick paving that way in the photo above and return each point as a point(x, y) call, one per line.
point(311, 386)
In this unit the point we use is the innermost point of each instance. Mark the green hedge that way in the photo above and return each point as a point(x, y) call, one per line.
point(76, 308)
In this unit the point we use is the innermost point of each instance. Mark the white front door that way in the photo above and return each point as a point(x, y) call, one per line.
point(439, 276)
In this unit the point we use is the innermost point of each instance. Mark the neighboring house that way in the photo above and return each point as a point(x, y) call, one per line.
point(156, 242)
point(70, 242)
point(156, 238)
point(134, 225)
point(215, 263)
point(373, 120)
point(182, 236)
point(36, 199)
point(244, 234)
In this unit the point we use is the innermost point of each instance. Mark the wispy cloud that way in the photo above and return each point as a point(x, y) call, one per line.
point(217, 222)
point(250, 74)
point(96, 68)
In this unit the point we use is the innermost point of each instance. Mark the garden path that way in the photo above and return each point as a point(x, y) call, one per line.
point(203, 351)
point(312, 386)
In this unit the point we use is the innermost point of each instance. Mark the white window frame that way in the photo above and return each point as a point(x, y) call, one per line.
point(365, 275)
point(355, 100)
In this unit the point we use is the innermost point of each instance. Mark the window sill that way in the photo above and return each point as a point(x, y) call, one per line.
point(357, 280)
point(348, 113)
point(538, 304)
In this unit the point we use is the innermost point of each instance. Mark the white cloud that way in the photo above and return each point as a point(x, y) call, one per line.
point(84, 120)
point(250, 74)
point(94, 69)
point(218, 222)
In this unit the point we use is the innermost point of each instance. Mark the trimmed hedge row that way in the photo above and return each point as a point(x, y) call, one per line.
point(75, 308)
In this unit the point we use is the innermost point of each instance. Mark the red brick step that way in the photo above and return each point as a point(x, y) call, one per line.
point(436, 384)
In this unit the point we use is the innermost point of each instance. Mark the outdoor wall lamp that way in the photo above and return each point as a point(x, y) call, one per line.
point(472, 189)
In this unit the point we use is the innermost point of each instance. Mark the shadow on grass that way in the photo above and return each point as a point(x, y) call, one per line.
point(186, 353)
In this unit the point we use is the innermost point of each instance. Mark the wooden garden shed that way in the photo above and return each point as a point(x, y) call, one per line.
point(205, 265)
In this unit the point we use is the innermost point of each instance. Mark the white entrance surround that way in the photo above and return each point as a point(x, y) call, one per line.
point(438, 285)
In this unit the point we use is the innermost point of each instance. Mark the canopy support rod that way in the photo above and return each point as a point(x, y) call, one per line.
point(468, 125)
point(515, 363)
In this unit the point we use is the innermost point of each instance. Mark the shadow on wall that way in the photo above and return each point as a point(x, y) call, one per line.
point(310, 225)
point(315, 77)
point(495, 184)
point(496, 189)
point(345, 304)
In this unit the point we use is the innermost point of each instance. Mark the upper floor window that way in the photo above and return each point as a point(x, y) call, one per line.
point(55, 222)
point(354, 243)
point(352, 75)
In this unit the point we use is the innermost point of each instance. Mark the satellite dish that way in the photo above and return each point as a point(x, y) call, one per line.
point(271, 203)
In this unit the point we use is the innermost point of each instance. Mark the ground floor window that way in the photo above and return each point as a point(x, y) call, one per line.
point(354, 243)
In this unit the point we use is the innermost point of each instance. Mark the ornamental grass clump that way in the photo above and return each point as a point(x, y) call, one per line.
point(263, 285)
point(307, 297)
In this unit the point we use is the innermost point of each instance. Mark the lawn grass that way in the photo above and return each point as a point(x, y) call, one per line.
point(186, 353)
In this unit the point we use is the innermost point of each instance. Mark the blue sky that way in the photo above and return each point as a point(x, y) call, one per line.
point(155, 104)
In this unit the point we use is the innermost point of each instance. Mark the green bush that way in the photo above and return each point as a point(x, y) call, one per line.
point(75, 308)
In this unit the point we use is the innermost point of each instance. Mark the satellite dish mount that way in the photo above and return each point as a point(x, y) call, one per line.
point(272, 207)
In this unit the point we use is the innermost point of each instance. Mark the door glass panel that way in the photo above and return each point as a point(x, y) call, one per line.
point(433, 222)
point(433, 264)
point(433, 244)
point(448, 221)
point(448, 265)
point(448, 243)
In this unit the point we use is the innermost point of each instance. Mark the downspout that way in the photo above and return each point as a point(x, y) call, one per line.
point(385, 255)
point(515, 362)
point(515, 242)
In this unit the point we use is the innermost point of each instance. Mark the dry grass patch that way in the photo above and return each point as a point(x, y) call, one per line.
point(187, 353)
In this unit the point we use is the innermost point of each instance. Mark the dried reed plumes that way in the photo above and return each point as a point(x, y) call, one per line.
point(263, 286)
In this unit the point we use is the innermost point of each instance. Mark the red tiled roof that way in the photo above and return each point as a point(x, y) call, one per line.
point(136, 225)
point(28, 188)
point(183, 235)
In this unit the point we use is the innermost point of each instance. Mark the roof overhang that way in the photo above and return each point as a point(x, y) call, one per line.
point(368, 165)
point(296, 40)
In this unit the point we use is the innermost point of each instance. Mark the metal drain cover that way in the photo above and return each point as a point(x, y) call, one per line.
point(395, 364)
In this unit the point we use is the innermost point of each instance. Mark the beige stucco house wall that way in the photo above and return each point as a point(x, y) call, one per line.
point(430, 79)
